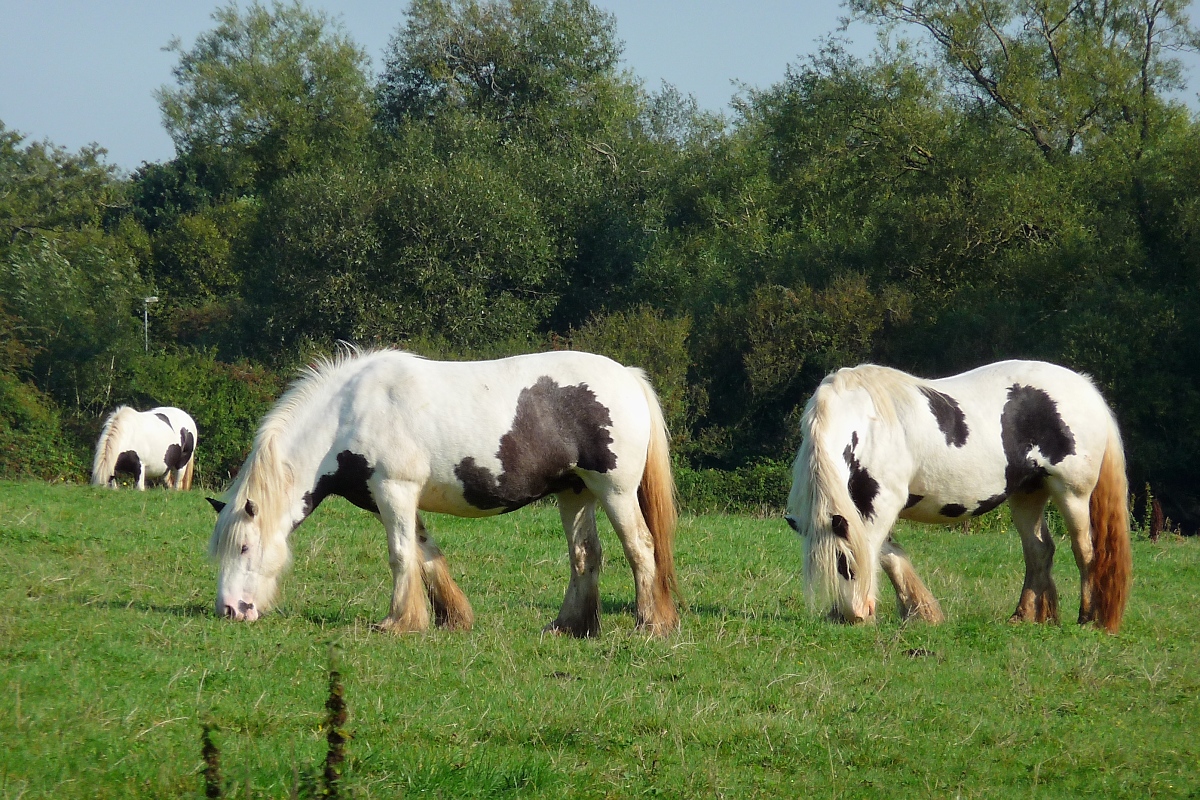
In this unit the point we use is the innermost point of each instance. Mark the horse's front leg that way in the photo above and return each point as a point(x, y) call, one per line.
point(451, 609)
point(397, 501)
point(912, 597)
point(141, 478)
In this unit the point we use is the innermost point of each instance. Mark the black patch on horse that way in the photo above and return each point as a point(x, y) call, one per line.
point(949, 416)
point(843, 567)
point(556, 430)
point(128, 463)
point(178, 455)
point(165, 419)
point(840, 526)
point(1030, 419)
point(987, 505)
point(863, 488)
point(349, 480)
point(952, 510)
point(913, 499)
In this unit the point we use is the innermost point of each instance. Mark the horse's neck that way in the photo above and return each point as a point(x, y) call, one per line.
point(304, 442)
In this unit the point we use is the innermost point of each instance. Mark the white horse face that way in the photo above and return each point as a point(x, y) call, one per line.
point(252, 554)
point(836, 574)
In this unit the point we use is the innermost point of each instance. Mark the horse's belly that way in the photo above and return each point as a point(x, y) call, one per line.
point(940, 496)
point(442, 499)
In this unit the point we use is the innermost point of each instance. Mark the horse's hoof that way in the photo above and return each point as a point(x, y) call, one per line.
point(931, 614)
point(580, 632)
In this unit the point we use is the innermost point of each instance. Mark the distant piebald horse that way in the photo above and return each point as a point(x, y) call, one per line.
point(394, 433)
point(881, 444)
point(159, 443)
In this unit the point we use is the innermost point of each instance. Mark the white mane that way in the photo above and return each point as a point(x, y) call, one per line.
point(883, 385)
point(107, 450)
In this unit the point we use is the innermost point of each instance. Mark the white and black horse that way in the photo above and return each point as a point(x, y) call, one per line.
point(881, 444)
point(159, 443)
point(394, 433)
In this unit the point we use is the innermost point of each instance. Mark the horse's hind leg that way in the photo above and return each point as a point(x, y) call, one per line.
point(655, 606)
point(451, 609)
point(580, 612)
point(912, 597)
point(397, 503)
point(1077, 516)
point(1039, 597)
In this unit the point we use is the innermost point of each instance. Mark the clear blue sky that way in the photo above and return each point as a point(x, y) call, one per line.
point(76, 72)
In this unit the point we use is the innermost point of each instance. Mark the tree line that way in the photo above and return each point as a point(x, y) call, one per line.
point(1000, 179)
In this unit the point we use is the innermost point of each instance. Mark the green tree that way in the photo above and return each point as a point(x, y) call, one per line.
point(267, 91)
point(543, 64)
point(1061, 71)
point(69, 267)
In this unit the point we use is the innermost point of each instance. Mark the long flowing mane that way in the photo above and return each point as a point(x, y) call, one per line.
point(266, 478)
point(107, 449)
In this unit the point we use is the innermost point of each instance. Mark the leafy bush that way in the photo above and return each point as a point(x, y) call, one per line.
point(32, 441)
point(648, 339)
point(759, 488)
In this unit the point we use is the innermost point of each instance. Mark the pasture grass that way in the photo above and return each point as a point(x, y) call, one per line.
point(112, 662)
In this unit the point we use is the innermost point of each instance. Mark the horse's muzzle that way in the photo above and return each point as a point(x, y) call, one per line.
point(242, 611)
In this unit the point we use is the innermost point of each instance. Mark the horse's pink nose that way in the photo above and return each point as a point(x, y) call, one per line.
point(241, 611)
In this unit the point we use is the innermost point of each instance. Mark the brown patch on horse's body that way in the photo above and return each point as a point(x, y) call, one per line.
point(862, 487)
point(993, 502)
point(178, 455)
point(1030, 419)
point(128, 463)
point(950, 418)
point(555, 431)
point(349, 480)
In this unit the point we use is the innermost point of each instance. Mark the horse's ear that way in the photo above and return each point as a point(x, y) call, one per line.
point(251, 508)
point(215, 503)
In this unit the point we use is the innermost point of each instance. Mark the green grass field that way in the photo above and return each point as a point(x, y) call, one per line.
point(112, 660)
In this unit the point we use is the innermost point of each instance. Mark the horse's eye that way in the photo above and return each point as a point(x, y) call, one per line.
point(245, 549)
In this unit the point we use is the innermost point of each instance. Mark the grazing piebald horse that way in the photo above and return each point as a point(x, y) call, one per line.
point(159, 443)
point(881, 444)
point(395, 433)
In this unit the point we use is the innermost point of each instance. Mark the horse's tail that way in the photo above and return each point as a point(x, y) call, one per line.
point(185, 480)
point(105, 461)
point(656, 496)
point(1109, 508)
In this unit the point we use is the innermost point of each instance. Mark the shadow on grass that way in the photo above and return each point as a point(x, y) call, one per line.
point(184, 610)
point(707, 610)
